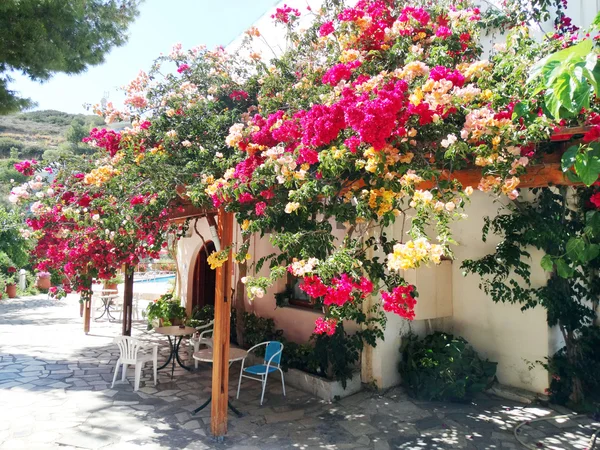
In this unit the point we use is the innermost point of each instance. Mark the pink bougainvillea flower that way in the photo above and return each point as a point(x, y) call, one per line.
point(284, 14)
point(325, 326)
point(326, 29)
point(260, 208)
point(400, 301)
point(26, 167)
point(238, 96)
point(182, 68)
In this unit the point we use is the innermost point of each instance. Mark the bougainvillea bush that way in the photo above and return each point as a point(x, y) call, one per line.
point(361, 122)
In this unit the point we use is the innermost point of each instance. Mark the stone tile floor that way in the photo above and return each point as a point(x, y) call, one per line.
point(55, 393)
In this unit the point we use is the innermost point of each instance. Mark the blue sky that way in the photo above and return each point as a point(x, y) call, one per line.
point(161, 24)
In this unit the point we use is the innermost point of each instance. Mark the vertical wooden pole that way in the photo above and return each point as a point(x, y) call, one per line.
point(220, 375)
point(87, 313)
point(127, 300)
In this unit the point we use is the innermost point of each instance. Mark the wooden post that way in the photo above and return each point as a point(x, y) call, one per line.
point(87, 313)
point(127, 300)
point(220, 375)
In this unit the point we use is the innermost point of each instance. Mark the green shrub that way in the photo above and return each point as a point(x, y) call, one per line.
point(443, 367)
point(259, 329)
point(6, 144)
point(587, 369)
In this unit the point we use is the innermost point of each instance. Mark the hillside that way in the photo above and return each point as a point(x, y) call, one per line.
point(32, 133)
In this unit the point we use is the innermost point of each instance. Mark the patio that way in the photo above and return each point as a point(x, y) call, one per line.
point(55, 393)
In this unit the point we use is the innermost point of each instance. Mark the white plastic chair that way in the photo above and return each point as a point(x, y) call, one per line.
point(204, 338)
point(129, 348)
point(272, 361)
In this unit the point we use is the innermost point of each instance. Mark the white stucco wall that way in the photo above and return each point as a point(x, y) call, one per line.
point(500, 332)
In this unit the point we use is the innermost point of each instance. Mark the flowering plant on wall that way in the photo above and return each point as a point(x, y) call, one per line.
point(359, 124)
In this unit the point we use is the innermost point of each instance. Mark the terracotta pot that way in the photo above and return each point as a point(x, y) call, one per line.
point(11, 290)
point(43, 283)
point(174, 322)
point(111, 287)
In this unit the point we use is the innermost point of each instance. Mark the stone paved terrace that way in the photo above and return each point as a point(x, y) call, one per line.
point(55, 393)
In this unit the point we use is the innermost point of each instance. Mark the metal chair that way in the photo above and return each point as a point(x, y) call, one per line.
point(272, 361)
point(129, 348)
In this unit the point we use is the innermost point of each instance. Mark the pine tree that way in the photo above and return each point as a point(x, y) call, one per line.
point(42, 37)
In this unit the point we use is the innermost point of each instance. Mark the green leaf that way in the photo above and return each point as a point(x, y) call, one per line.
point(568, 158)
point(521, 109)
point(587, 166)
point(591, 252)
point(559, 96)
point(563, 269)
point(596, 22)
point(592, 219)
point(576, 249)
point(550, 63)
point(547, 263)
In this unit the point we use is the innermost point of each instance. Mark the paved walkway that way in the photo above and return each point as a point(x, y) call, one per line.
point(55, 393)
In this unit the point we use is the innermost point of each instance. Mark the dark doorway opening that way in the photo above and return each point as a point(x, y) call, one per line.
point(203, 293)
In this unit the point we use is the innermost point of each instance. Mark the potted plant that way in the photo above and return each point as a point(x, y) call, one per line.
point(113, 283)
point(10, 281)
point(166, 310)
point(43, 280)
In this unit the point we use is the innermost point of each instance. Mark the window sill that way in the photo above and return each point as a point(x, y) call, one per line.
point(310, 309)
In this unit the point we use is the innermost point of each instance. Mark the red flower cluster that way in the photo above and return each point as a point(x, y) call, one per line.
point(400, 301)
point(340, 291)
point(595, 200)
point(11, 269)
point(238, 96)
point(26, 167)
point(283, 14)
point(325, 326)
point(106, 139)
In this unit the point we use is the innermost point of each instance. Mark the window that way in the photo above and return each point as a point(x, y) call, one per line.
point(296, 296)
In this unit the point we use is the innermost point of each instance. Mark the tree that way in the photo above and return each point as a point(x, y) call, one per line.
point(40, 38)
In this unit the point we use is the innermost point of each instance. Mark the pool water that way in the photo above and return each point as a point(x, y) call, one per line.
point(164, 279)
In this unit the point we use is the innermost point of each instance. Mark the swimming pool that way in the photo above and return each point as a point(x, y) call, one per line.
point(158, 279)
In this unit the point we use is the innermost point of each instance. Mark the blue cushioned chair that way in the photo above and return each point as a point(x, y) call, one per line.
point(272, 363)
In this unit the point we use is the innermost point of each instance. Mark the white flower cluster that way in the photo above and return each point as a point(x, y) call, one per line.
point(302, 267)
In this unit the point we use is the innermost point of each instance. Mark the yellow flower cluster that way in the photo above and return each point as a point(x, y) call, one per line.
point(217, 259)
point(474, 70)
point(381, 200)
point(414, 253)
point(100, 175)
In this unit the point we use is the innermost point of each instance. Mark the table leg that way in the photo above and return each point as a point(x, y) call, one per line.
point(229, 405)
point(170, 355)
point(110, 316)
point(177, 355)
point(174, 353)
point(103, 312)
point(203, 405)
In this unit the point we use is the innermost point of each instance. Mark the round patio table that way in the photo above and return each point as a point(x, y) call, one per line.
point(107, 296)
point(206, 355)
point(178, 334)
